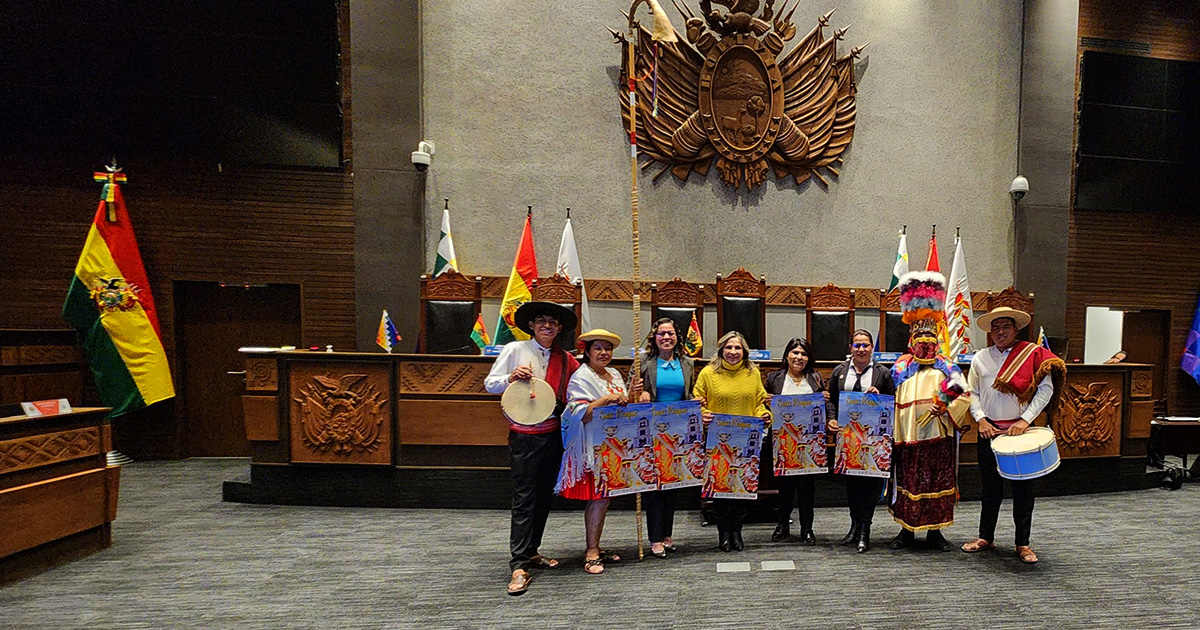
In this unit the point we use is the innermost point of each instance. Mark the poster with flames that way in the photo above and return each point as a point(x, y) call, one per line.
point(623, 447)
point(734, 446)
point(864, 443)
point(798, 426)
point(679, 455)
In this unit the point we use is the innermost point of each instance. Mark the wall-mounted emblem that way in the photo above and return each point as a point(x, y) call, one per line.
point(725, 96)
point(342, 415)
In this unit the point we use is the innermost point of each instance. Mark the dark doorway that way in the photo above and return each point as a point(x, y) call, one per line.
point(1145, 337)
point(213, 321)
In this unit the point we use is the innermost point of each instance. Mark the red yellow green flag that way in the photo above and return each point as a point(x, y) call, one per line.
point(520, 280)
point(479, 334)
point(110, 305)
point(692, 343)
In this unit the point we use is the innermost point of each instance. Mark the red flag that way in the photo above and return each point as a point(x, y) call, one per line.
point(520, 281)
point(932, 263)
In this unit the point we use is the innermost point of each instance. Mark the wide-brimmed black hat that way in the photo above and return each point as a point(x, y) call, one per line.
point(529, 311)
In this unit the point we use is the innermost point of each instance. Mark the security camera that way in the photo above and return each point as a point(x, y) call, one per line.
point(423, 156)
point(1017, 188)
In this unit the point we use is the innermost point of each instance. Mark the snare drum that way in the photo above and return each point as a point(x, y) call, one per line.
point(1030, 455)
point(528, 402)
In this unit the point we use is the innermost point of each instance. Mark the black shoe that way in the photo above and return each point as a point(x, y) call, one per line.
point(902, 540)
point(724, 538)
point(781, 533)
point(937, 541)
point(735, 540)
point(658, 554)
point(807, 537)
point(864, 538)
point(851, 536)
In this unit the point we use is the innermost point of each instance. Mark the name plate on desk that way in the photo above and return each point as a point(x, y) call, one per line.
point(760, 355)
point(492, 351)
point(46, 407)
point(887, 357)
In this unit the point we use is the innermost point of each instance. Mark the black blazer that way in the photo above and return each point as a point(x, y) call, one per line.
point(774, 383)
point(650, 376)
point(881, 379)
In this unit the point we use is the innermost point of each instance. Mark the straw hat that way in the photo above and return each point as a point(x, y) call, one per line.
point(529, 311)
point(1021, 317)
point(598, 334)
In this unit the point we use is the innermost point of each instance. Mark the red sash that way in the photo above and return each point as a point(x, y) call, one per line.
point(559, 369)
point(1027, 364)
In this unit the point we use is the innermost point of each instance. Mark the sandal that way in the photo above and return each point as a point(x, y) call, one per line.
point(595, 566)
point(977, 545)
point(519, 583)
point(542, 562)
point(1026, 555)
point(609, 557)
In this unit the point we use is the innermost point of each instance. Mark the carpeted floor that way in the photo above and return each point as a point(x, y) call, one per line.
point(183, 559)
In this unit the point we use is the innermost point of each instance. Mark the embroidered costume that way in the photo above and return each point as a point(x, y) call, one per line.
point(589, 468)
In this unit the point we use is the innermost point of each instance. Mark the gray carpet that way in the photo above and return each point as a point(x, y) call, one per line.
point(183, 559)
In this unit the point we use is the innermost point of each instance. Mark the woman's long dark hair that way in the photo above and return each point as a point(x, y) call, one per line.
point(803, 343)
point(652, 348)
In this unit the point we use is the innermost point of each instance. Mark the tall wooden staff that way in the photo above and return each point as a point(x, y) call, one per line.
point(662, 32)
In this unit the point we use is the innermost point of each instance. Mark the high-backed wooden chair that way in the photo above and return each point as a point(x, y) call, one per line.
point(829, 321)
point(1012, 298)
point(560, 290)
point(893, 332)
point(742, 306)
point(450, 305)
point(679, 300)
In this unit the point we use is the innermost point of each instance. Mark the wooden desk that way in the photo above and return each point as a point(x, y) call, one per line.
point(58, 496)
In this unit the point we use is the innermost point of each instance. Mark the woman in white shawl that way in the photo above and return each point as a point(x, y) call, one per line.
point(581, 477)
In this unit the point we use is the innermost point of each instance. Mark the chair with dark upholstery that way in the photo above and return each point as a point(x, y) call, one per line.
point(829, 321)
point(742, 306)
point(1012, 298)
point(679, 300)
point(893, 332)
point(560, 290)
point(450, 305)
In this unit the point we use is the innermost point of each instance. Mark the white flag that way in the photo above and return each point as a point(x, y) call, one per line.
point(568, 267)
point(901, 266)
point(958, 304)
point(445, 251)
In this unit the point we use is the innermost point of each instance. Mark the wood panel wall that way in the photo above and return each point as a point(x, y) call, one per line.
point(1138, 259)
point(1165, 29)
point(193, 222)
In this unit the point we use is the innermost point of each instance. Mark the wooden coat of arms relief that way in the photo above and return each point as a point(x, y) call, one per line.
point(726, 96)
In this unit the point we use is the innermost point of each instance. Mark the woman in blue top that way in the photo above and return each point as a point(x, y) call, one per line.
point(667, 376)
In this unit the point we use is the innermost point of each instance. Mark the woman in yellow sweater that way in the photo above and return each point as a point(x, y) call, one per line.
point(731, 384)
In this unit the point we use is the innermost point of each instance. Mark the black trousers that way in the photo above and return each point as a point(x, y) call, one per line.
point(993, 495)
point(536, 459)
point(730, 513)
point(789, 489)
point(862, 494)
point(660, 513)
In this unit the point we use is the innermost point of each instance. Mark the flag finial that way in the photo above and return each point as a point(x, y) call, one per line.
point(568, 214)
point(957, 235)
point(529, 213)
point(447, 202)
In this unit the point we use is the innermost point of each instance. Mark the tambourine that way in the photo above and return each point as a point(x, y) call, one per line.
point(528, 402)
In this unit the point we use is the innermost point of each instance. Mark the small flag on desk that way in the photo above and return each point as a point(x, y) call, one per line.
point(479, 333)
point(1191, 348)
point(692, 343)
point(1042, 341)
point(387, 337)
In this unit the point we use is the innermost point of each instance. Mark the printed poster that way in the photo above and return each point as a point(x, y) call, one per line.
point(623, 449)
point(734, 445)
point(864, 443)
point(679, 456)
point(798, 425)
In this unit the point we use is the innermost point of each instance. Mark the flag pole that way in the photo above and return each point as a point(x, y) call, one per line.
point(636, 371)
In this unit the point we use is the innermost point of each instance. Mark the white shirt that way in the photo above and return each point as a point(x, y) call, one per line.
point(989, 403)
point(514, 355)
point(868, 377)
point(790, 387)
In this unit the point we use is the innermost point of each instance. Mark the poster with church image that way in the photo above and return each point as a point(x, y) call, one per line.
point(679, 455)
point(734, 446)
point(622, 449)
point(798, 425)
point(864, 442)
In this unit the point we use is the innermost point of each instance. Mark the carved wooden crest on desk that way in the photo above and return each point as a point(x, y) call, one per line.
point(727, 96)
point(1088, 418)
point(340, 417)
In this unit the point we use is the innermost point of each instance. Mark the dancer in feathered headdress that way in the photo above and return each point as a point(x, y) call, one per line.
point(931, 411)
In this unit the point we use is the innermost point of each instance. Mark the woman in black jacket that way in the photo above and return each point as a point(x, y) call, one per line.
point(798, 376)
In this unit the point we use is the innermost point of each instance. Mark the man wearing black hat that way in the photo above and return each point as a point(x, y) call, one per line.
point(536, 449)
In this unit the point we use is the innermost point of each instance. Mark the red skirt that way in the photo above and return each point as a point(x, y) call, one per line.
point(585, 490)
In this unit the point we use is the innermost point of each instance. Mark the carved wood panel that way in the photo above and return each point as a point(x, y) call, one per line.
point(450, 285)
point(830, 298)
point(49, 448)
point(741, 282)
point(556, 289)
point(1141, 384)
point(439, 377)
point(677, 292)
point(262, 375)
point(785, 295)
point(341, 413)
point(38, 355)
point(1089, 417)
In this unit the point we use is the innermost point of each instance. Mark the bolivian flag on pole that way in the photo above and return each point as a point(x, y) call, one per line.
point(110, 305)
point(520, 280)
point(479, 333)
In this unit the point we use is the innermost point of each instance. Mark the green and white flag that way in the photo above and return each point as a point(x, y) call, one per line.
point(901, 266)
point(445, 251)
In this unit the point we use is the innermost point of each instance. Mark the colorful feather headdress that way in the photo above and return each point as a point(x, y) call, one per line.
point(923, 296)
